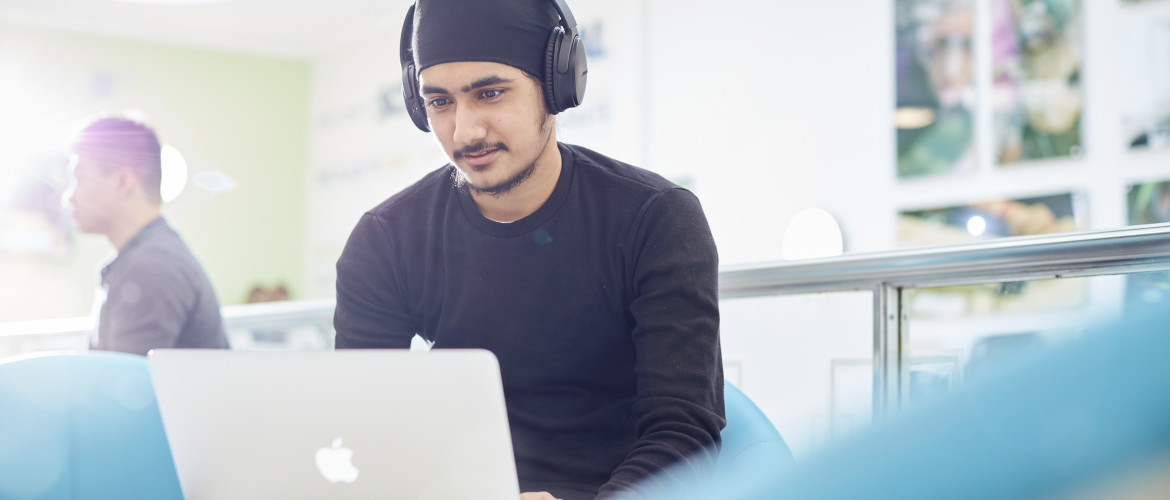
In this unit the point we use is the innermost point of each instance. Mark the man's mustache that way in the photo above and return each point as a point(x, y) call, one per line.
point(478, 149)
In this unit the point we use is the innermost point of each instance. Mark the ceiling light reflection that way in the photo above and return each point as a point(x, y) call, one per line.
point(976, 225)
point(216, 182)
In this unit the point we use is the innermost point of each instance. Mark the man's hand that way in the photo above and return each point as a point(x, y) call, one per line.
point(537, 495)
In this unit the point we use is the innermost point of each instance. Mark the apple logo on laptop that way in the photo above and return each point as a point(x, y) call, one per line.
point(336, 463)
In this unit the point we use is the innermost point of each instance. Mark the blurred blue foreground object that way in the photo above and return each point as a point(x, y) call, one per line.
point(82, 426)
point(1055, 423)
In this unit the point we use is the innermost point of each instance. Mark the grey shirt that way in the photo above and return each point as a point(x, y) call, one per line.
point(157, 295)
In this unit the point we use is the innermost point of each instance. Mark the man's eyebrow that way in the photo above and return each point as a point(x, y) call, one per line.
point(478, 84)
point(485, 82)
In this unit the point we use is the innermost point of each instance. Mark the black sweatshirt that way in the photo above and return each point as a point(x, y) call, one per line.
point(601, 307)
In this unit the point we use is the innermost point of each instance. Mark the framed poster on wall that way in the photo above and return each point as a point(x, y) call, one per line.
point(1037, 96)
point(1144, 60)
point(935, 101)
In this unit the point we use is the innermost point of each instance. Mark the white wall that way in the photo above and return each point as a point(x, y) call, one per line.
point(773, 107)
point(362, 146)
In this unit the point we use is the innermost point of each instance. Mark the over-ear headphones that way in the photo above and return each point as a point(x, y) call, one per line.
point(565, 68)
point(410, 92)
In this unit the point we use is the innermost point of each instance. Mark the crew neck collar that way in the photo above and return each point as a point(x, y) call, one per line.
point(530, 222)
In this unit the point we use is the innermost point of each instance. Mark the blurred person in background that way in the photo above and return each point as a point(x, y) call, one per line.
point(153, 293)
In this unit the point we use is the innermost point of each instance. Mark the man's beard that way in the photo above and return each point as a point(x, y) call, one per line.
point(499, 190)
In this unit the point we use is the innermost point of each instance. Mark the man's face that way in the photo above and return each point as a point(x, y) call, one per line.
point(92, 195)
point(490, 119)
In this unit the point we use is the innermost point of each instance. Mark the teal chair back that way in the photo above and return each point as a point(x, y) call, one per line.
point(82, 426)
point(750, 441)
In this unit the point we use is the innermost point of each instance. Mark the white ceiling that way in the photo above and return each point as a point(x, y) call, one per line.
point(297, 29)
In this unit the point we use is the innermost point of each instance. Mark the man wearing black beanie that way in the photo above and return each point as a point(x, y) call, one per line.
point(592, 281)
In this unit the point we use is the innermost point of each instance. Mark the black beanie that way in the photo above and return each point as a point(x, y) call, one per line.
point(512, 32)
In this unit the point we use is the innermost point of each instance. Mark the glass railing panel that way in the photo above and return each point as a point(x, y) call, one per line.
point(305, 325)
point(958, 334)
point(805, 360)
point(1147, 292)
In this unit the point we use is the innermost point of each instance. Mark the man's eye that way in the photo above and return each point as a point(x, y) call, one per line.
point(438, 103)
point(489, 94)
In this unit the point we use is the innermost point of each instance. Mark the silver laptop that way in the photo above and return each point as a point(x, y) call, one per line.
point(387, 424)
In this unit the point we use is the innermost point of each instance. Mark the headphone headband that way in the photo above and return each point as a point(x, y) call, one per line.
point(570, 25)
point(410, 94)
point(567, 19)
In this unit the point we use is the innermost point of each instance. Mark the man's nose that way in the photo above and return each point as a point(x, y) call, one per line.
point(67, 197)
point(469, 125)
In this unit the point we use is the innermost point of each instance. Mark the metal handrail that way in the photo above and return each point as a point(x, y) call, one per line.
point(279, 314)
point(260, 315)
point(78, 325)
point(1132, 249)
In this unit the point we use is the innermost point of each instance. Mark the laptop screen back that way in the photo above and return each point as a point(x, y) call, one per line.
point(338, 425)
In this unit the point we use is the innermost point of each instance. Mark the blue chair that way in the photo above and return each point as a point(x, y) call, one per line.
point(750, 441)
point(752, 448)
point(82, 426)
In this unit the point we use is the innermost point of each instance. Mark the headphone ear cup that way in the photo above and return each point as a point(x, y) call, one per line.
point(414, 102)
point(410, 94)
point(578, 74)
point(564, 90)
point(550, 70)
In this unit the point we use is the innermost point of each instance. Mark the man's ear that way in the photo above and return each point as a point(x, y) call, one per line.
point(125, 183)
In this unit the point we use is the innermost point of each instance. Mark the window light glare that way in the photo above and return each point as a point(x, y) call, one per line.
point(174, 173)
